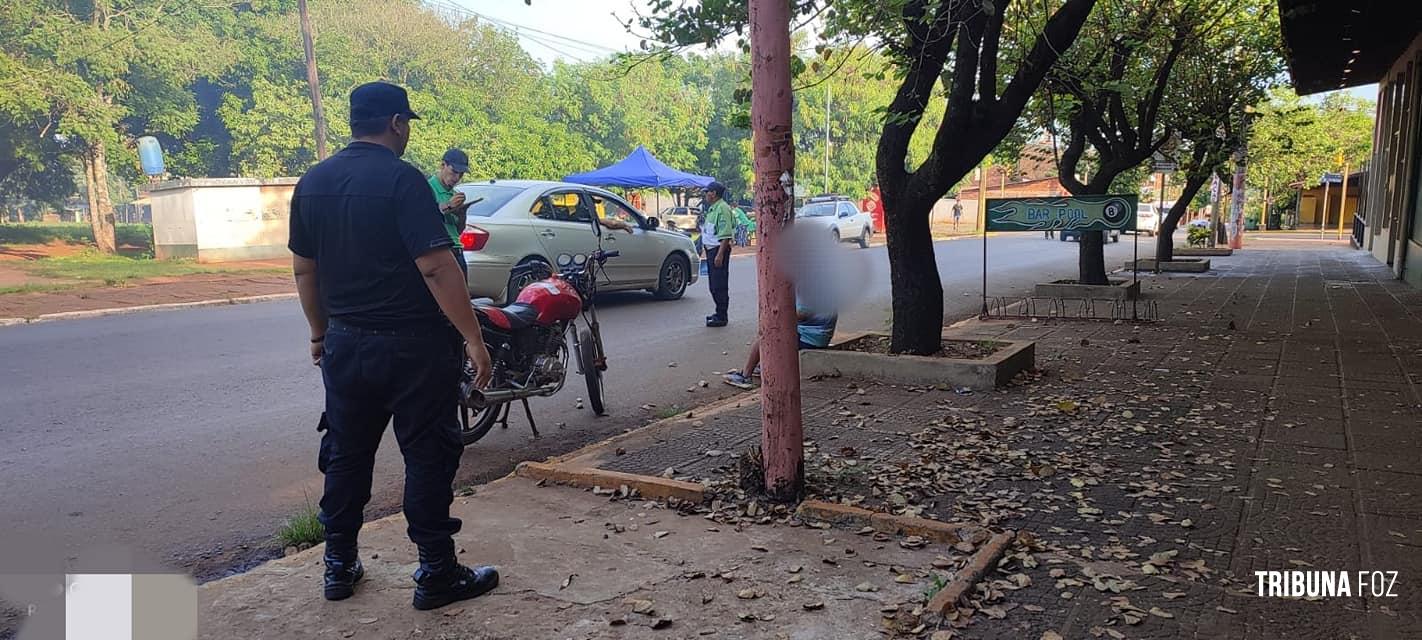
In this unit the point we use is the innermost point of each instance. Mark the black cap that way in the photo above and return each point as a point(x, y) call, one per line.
point(377, 100)
point(717, 188)
point(457, 160)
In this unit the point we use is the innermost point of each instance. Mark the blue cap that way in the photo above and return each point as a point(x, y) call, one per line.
point(457, 160)
point(377, 100)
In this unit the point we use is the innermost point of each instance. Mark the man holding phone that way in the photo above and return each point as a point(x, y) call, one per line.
point(451, 203)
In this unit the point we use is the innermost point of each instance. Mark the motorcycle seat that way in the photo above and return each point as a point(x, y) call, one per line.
point(512, 317)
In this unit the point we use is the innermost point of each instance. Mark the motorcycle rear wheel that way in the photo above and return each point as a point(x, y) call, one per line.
point(476, 423)
point(587, 361)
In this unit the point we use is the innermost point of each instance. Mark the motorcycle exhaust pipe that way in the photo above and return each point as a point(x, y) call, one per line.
point(479, 399)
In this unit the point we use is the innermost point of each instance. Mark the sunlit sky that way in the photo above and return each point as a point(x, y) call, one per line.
point(582, 30)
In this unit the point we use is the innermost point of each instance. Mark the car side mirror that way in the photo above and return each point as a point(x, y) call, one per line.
point(844, 214)
point(653, 223)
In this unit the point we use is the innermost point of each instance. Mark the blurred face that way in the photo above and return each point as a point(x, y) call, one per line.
point(448, 176)
point(400, 129)
point(710, 197)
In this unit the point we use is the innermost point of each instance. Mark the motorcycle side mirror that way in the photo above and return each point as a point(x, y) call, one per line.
point(653, 223)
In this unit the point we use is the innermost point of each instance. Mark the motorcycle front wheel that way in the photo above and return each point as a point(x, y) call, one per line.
point(587, 361)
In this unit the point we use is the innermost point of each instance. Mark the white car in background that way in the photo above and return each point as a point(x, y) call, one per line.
point(514, 222)
point(839, 217)
point(1147, 219)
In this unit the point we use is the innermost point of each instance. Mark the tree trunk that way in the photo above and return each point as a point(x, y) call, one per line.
point(913, 271)
point(1165, 239)
point(1091, 258)
point(101, 213)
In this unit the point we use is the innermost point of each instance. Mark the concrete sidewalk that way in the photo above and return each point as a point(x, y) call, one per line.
point(1270, 422)
point(579, 565)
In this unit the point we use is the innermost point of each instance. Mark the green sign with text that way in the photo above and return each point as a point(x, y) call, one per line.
point(1077, 213)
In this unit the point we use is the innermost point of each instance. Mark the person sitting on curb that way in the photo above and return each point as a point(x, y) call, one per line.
point(815, 331)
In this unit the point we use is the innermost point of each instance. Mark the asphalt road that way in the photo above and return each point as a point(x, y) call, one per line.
point(190, 435)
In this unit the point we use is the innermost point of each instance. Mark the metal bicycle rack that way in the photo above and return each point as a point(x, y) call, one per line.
point(1003, 308)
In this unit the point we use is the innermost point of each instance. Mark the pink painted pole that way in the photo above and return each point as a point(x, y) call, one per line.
point(782, 434)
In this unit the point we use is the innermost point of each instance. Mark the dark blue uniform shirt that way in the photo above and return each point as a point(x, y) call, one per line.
point(364, 215)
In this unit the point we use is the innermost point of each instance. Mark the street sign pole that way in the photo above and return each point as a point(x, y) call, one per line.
point(985, 305)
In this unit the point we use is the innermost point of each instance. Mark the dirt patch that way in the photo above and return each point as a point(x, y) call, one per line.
point(957, 349)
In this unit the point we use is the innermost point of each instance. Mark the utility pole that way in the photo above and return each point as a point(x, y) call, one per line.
point(1343, 202)
point(313, 81)
point(1236, 196)
point(782, 434)
point(1323, 221)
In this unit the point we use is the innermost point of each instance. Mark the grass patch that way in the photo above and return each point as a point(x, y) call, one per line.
point(939, 582)
point(302, 530)
point(134, 235)
point(670, 412)
point(34, 288)
point(113, 270)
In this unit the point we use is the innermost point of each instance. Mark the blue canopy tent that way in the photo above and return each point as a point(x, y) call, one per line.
point(639, 169)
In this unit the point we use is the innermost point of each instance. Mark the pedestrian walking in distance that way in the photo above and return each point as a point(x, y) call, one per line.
point(717, 231)
point(391, 326)
point(957, 213)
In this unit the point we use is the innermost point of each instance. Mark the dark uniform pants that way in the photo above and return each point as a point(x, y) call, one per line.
point(719, 278)
point(371, 376)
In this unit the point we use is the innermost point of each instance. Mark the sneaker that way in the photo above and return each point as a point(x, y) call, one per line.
point(716, 321)
point(738, 380)
point(756, 373)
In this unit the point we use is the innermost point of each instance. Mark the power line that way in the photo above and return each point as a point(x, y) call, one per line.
point(520, 30)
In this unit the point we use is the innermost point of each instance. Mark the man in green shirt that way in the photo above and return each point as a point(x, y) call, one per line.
point(451, 203)
point(716, 234)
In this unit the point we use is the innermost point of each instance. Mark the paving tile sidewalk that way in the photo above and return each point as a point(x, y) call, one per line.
point(1269, 423)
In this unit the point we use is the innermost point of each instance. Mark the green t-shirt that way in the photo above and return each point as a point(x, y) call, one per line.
point(453, 222)
point(720, 224)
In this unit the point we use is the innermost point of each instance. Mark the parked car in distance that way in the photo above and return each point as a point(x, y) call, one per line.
point(683, 219)
point(1075, 234)
point(839, 216)
point(1147, 219)
point(514, 222)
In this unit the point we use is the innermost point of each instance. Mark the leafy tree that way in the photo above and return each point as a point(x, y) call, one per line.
point(1292, 142)
point(1221, 76)
point(1110, 91)
point(987, 80)
point(104, 72)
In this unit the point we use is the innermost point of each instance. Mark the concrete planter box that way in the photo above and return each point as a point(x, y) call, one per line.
point(1184, 265)
point(1117, 290)
point(981, 374)
point(1203, 251)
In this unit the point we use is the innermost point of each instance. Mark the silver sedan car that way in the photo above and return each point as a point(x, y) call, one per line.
point(513, 222)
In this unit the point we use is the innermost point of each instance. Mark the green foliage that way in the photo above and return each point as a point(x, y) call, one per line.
point(302, 529)
point(133, 235)
point(1292, 140)
point(92, 267)
point(1197, 235)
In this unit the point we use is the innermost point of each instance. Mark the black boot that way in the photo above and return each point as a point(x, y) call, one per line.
point(441, 580)
point(343, 568)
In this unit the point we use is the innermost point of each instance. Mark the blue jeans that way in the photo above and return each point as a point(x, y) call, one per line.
point(372, 376)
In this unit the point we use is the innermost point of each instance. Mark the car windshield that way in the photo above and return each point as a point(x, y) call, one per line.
point(494, 197)
point(816, 210)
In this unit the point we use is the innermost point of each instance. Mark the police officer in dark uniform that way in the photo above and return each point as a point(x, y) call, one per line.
point(389, 310)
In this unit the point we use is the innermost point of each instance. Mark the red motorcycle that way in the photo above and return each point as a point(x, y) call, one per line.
point(528, 343)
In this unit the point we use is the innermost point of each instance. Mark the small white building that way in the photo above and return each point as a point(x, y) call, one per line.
point(221, 219)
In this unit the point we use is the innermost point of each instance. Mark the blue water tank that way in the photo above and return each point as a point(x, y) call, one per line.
point(150, 155)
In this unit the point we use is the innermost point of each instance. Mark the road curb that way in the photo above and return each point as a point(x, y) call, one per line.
point(947, 598)
point(588, 478)
point(170, 306)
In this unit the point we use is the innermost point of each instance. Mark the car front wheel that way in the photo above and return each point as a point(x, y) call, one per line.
point(671, 281)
